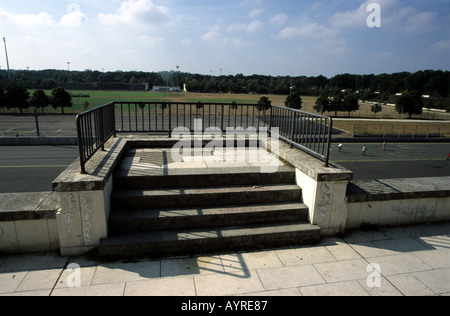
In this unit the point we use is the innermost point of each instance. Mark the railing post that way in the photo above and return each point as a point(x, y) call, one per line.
point(170, 119)
point(270, 121)
point(330, 133)
point(293, 129)
point(221, 117)
point(80, 144)
point(102, 127)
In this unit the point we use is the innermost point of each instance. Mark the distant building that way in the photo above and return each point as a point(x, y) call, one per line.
point(166, 88)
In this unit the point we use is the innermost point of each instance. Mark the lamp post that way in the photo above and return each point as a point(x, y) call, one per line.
point(7, 59)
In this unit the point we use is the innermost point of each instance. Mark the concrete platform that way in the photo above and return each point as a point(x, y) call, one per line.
point(412, 261)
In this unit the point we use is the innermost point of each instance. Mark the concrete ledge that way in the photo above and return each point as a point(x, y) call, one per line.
point(28, 222)
point(38, 141)
point(28, 206)
point(309, 165)
point(100, 168)
point(398, 189)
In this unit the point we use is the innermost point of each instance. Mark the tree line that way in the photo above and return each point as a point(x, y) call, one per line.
point(380, 88)
point(432, 82)
point(20, 98)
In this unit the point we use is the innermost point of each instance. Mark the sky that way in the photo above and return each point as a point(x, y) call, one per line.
point(278, 38)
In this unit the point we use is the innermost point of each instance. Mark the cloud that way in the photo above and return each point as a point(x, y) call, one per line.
point(73, 19)
point(279, 19)
point(403, 19)
point(137, 13)
point(151, 40)
point(254, 13)
point(212, 34)
point(441, 46)
point(27, 21)
point(308, 29)
point(251, 27)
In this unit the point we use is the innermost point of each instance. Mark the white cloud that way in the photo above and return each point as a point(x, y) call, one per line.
point(212, 34)
point(27, 21)
point(151, 40)
point(441, 46)
point(279, 19)
point(251, 27)
point(234, 42)
point(254, 13)
point(310, 30)
point(137, 13)
point(73, 19)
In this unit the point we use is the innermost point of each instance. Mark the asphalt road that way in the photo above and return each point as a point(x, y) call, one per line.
point(33, 169)
point(399, 160)
point(49, 125)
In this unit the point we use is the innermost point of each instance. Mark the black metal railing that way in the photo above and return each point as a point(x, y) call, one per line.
point(95, 128)
point(306, 131)
point(163, 117)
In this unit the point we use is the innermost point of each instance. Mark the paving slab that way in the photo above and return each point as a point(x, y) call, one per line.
point(409, 285)
point(347, 270)
point(349, 288)
point(306, 255)
point(412, 262)
point(288, 277)
point(399, 264)
point(436, 280)
point(227, 284)
point(180, 286)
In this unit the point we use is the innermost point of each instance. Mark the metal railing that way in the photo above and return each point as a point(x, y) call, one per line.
point(306, 131)
point(95, 128)
point(163, 117)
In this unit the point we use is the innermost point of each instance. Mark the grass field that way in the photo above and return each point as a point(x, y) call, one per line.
point(373, 125)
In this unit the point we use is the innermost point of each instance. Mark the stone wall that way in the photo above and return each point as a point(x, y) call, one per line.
point(74, 217)
point(395, 202)
point(28, 222)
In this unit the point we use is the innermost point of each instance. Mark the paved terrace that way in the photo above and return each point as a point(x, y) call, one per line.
point(413, 260)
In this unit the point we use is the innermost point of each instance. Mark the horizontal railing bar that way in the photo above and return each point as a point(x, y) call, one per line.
point(307, 131)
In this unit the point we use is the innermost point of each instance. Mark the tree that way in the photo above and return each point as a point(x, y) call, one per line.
point(376, 109)
point(322, 103)
point(350, 104)
point(410, 103)
point(336, 102)
point(264, 104)
point(61, 98)
point(17, 97)
point(294, 101)
point(39, 100)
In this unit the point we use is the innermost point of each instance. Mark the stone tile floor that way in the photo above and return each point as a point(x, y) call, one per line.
point(410, 261)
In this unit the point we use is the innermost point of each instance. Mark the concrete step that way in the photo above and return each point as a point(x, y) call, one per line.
point(124, 221)
point(204, 197)
point(207, 241)
point(208, 177)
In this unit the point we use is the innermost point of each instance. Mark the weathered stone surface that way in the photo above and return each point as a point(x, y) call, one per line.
point(309, 165)
point(396, 189)
point(28, 206)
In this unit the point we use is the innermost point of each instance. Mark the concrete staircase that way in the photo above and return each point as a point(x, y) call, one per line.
point(207, 211)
